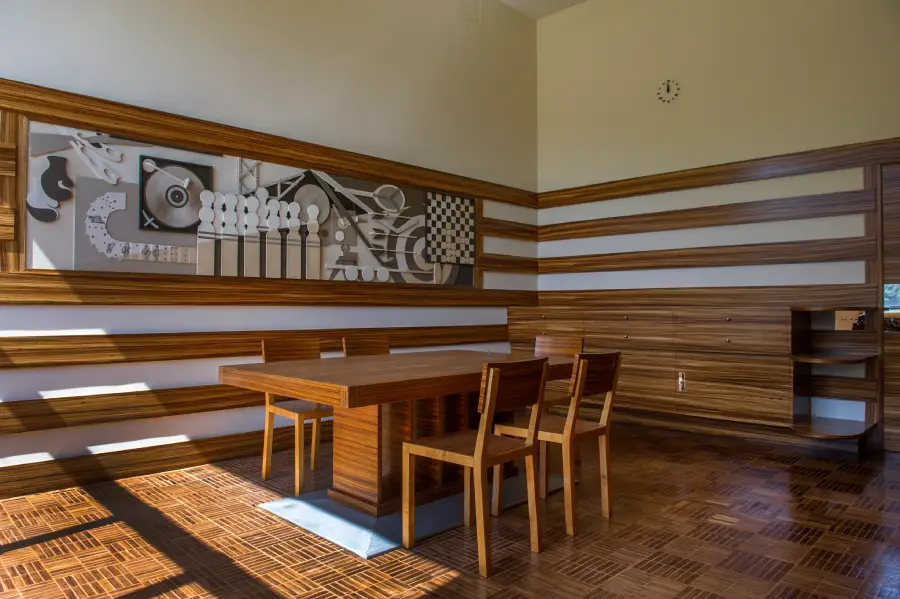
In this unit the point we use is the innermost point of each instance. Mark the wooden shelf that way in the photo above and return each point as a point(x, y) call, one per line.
point(832, 428)
point(832, 358)
point(830, 308)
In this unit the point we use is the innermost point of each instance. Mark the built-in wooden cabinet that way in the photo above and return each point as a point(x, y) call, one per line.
point(743, 331)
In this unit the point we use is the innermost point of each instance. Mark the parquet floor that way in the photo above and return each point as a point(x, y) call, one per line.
point(695, 517)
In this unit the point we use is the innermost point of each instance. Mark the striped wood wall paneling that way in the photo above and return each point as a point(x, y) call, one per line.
point(502, 263)
point(814, 296)
point(55, 106)
point(892, 391)
point(41, 414)
point(82, 470)
point(71, 350)
point(10, 203)
point(81, 288)
point(505, 228)
point(824, 250)
point(813, 161)
point(809, 206)
point(891, 215)
point(7, 224)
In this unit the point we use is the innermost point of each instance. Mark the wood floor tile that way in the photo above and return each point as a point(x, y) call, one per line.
point(695, 517)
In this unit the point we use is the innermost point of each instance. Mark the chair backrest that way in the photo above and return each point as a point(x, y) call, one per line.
point(593, 374)
point(284, 349)
point(558, 345)
point(506, 386)
point(364, 345)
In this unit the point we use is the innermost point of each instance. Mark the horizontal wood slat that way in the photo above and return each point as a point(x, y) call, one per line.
point(41, 414)
point(499, 262)
point(891, 222)
point(7, 223)
point(844, 387)
point(54, 106)
point(7, 159)
point(82, 288)
point(70, 350)
point(810, 206)
point(505, 228)
point(67, 472)
point(799, 163)
point(773, 296)
point(793, 252)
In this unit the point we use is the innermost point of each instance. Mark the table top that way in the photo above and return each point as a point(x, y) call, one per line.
point(370, 380)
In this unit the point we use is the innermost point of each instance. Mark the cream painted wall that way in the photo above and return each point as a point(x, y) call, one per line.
point(416, 81)
point(759, 78)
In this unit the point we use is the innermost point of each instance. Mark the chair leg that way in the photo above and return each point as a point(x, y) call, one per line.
point(604, 476)
point(543, 467)
point(569, 486)
point(534, 506)
point(468, 498)
point(482, 521)
point(314, 443)
point(299, 433)
point(409, 500)
point(268, 433)
point(497, 498)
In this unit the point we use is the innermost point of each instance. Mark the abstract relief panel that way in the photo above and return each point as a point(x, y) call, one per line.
point(103, 203)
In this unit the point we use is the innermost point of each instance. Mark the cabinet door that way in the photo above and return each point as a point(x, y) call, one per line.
point(738, 331)
point(754, 389)
point(647, 380)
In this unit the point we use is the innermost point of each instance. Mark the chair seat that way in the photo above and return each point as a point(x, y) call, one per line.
point(300, 406)
point(551, 428)
point(459, 448)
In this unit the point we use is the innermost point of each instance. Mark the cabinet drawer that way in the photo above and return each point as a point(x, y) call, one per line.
point(527, 323)
point(747, 331)
point(742, 388)
point(629, 329)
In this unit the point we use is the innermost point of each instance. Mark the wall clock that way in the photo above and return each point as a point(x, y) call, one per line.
point(668, 90)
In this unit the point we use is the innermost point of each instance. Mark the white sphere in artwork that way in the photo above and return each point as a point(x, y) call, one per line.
point(262, 194)
point(351, 273)
point(368, 273)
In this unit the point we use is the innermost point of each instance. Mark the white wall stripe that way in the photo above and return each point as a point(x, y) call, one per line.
point(509, 247)
point(827, 273)
point(51, 444)
point(97, 320)
point(751, 191)
point(510, 212)
point(509, 280)
point(829, 227)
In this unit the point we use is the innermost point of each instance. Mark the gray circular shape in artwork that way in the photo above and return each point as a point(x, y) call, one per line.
point(390, 197)
point(312, 195)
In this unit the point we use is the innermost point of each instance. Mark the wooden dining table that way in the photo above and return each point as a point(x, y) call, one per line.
point(380, 402)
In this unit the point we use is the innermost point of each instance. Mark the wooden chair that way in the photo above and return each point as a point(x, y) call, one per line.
point(593, 374)
point(557, 346)
point(365, 346)
point(504, 386)
point(298, 410)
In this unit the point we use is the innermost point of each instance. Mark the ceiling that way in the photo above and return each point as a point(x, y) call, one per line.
point(541, 8)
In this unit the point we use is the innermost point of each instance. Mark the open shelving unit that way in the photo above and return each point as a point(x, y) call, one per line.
point(820, 342)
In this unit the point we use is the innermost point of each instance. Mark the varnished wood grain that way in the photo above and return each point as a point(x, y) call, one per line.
point(362, 381)
point(811, 206)
point(739, 330)
point(501, 263)
point(60, 412)
point(66, 472)
point(505, 228)
point(628, 329)
point(373, 344)
point(65, 108)
point(357, 457)
point(70, 350)
point(762, 297)
point(812, 161)
point(8, 224)
point(891, 217)
point(892, 391)
point(792, 252)
point(81, 288)
point(844, 387)
point(742, 388)
point(7, 159)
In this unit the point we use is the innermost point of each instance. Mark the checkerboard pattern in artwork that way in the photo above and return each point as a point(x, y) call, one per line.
point(450, 229)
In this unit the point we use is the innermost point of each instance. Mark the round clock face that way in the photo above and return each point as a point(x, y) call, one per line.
point(668, 90)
